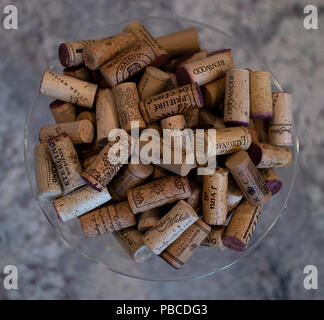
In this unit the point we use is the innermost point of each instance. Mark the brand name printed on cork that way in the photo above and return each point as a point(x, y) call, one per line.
point(209, 67)
point(230, 91)
point(169, 222)
point(284, 129)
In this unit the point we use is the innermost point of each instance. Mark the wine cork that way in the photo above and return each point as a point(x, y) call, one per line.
point(78, 202)
point(128, 63)
point(208, 120)
point(126, 97)
point(63, 111)
point(161, 56)
point(87, 115)
point(248, 178)
point(189, 57)
point(174, 122)
point(261, 128)
point(179, 252)
point(108, 162)
point(169, 103)
point(227, 140)
point(170, 227)
point(206, 70)
point(80, 72)
point(241, 226)
point(214, 92)
point(148, 219)
point(214, 238)
point(97, 78)
point(234, 195)
point(181, 42)
point(79, 131)
point(260, 95)
point(87, 161)
point(112, 217)
point(129, 177)
point(70, 53)
point(132, 241)
point(152, 82)
point(87, 150)
point(195, 199)
point(280, 125)
point(172, 83)
point(106, 115)
point(192, 117)
point(237, 98)
point(267, 156)
point(271, 179)
point(252, 130)
point(67, 162)
point(214, 199)
point(47, 180)
point(159, 192)
point(68, 89)
point(97, 53)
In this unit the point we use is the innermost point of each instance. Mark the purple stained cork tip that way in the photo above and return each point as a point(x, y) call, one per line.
point(236, 123)
point(90, 184)
point(183, 76)
point(261, 116)
point(274, 186)
point(233, 243)
point(255, 153)
point(59, 216)
point(200, 96)
point(63, 54)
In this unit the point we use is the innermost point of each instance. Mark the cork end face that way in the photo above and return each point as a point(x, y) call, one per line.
point(261, 116)
point(64, 55)
point(183, 76)
point(86, 131)
point(274, 186)
point(255, 153)
point(236, 123)
point(234, 243)
point(56, 104)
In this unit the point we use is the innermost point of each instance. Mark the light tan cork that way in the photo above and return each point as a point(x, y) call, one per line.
point(266, 155)
point(81, 73)
point(214, 238)
point(248, 178)
point(106, 115)
point(169, 103)
point(179, 252)
point(195, 199)
point(132, 242)
point(241, 226)
point(161, 56)
point(70, 53)
point(214, 197)
point(87, 115)
point(152, 82)
point(148, 219)
point(192, 117)
point(170, 227)
point(67, 162)
point(79, 202)
point(112, 217)
point(68, 89)
point(108, 162)
point(237, 97)
point(97, 53)
point(63, 111)
point(79, 131)
point(260, 95)
point(206, 70)
point(47, 180)
point(130, 176)
point(128, 63)
point(126, 97)
point(181, 42)
point(234, 195)
point(281, 123)
point(174, 122)
point(214, 92)
point(158, 193)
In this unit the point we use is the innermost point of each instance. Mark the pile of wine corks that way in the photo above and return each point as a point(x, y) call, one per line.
point(133, 81)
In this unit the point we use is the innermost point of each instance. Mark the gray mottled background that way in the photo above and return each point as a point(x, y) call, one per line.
point(48, 268)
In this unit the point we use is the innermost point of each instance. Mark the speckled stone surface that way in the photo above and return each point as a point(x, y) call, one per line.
point(50, 269)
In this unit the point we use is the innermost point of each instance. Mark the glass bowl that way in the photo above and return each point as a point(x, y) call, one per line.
point(104, 249)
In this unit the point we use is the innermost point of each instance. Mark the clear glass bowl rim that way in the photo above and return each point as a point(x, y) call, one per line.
point(249, 249)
